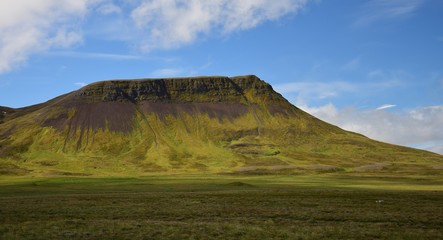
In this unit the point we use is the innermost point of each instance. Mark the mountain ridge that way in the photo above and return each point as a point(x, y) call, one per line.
point(198, 124)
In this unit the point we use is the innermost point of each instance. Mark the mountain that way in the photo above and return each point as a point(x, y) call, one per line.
point(188, 125)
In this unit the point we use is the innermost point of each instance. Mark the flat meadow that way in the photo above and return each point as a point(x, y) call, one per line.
point(222, 207)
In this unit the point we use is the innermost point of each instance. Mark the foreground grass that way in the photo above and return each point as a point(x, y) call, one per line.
point(222, 207)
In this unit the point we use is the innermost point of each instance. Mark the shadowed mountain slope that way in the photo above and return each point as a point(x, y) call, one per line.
point(200, 124)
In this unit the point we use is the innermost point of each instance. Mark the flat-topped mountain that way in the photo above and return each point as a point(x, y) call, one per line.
point(200, 124)
point(198, 89)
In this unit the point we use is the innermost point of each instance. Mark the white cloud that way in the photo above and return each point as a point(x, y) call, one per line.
point(352, 65)
point(306, 91)
point(377, 10)
point(80, 84)
point(316, 90)
point(375, 80)
point(109, 8)
point(28, 27)
point(420, 127)
point(437, 149)
point(173, 23)
point(65, 38)
point(108, 56)
point(328, 111)
point(386, 106)
point(180, 71)
point(389, 79)
point(168, 72)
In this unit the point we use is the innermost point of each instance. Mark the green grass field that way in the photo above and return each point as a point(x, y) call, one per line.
point(222, 207)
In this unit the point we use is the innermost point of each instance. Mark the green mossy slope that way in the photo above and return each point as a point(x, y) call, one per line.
point(236, 125)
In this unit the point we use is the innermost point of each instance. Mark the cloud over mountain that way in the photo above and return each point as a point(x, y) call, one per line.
point(420, 127)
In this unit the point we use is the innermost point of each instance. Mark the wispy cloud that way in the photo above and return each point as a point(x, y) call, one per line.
point(313, 90)
point(352, 65)
point(30, 27)
point(316, 90)
point(173, 23)
point(108, 56)
point(109, 8)
point(180, 71)
point(436, 148)
point(386, 106)
point(388, 79)
point(168, 72)
point(378, 10)
point(374, 81)
point(80, 84)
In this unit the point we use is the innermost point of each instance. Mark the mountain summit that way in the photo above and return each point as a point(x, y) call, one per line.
point(199, 124)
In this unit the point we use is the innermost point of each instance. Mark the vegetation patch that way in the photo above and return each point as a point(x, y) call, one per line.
point(239, 184)
point(7, 168)
point(219, 207)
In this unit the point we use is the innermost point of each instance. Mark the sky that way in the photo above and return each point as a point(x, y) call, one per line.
point(368, 66)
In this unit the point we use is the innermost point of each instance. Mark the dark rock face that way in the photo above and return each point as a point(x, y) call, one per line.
point(116, 116)
point(114, 104)
point(199, 89)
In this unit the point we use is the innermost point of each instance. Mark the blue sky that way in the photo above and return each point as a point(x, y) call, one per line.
point(370, 66)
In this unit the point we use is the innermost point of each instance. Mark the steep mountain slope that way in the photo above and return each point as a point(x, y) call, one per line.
point(201, 124)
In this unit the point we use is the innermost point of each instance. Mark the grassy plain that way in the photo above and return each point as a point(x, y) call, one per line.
point(222, 207)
